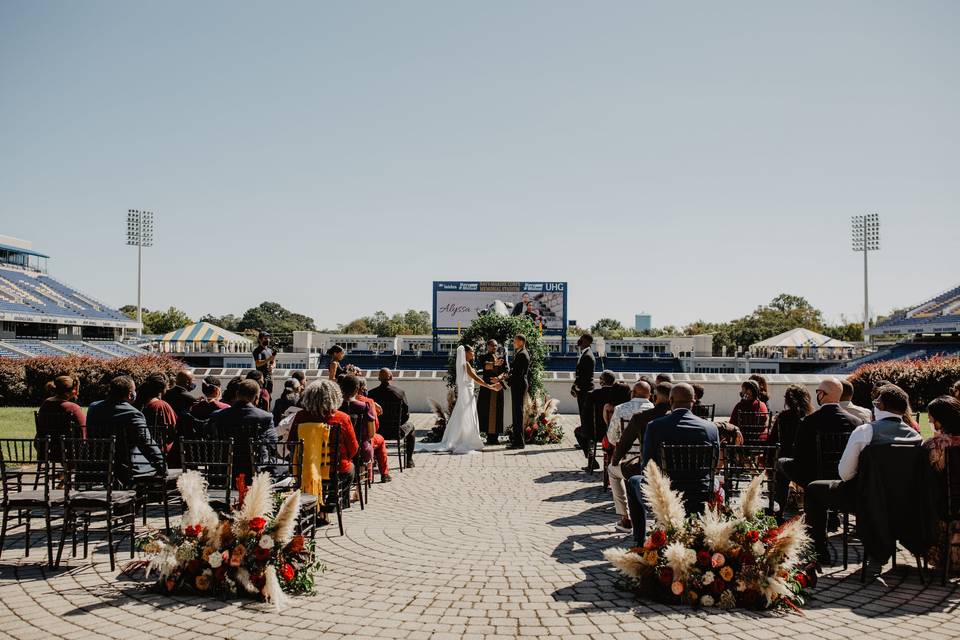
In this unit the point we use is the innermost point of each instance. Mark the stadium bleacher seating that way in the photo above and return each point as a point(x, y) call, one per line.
point(940, 314)
point(35, 347)
point(38, 294)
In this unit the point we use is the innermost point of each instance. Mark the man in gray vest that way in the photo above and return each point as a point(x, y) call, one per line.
point(823, 495)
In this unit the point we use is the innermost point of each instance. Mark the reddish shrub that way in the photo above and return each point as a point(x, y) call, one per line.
point(23, 382)
point(922, 379)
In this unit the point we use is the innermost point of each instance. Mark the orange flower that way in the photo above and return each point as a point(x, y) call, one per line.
point(236, 558)
point(726, 573)
point(297, 544)
point(202, 582)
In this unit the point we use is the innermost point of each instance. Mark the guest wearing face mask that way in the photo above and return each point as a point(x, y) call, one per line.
point(830, 417)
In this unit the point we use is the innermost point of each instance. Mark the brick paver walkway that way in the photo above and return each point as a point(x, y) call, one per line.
point(492, 545)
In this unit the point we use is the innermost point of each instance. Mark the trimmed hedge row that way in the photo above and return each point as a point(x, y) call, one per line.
point(23, 382)
point(923, 379)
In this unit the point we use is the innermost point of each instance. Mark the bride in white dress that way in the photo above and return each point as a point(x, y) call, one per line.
point(462, 434)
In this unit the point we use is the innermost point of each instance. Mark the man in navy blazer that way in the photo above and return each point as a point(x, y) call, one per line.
point(243, 422)
point(136, 454)
point(680, 426)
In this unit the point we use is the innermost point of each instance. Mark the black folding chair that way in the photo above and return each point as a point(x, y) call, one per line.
point(55, 427)
point(27, 473)
point(89, 491)
point(363, 469)
point(162, 487)
point(754, 427)
point(705, 411)
point(690, 462)
point(391, 423)
point(741, 463)
point(830, 446)
point(213, 459)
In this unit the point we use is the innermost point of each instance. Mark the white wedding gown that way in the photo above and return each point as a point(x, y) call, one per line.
point(462, 434)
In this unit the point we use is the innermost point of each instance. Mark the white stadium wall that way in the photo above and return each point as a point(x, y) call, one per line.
point(721, 389)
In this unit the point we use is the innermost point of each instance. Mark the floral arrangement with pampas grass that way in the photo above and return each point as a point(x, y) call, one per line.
point(253, 551)
point(541, 424)
point(729, 556)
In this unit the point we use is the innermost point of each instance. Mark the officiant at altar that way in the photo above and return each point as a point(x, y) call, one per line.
point(489, 402)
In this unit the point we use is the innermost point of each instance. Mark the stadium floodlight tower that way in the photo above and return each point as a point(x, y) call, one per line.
point(139, 235)
point(865, 236)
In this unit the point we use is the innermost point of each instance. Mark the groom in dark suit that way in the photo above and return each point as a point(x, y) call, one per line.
point(519, 380)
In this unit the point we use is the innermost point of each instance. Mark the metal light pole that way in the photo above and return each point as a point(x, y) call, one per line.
point(865, 237)
point(139, 235)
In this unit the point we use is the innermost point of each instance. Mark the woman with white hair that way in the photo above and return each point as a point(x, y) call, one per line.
point(321, 402)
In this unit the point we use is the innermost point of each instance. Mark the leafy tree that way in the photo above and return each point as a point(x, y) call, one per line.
point(274, 318)
point(158, 322)
point(608, 328)
point(399, 324)
point(229, 321)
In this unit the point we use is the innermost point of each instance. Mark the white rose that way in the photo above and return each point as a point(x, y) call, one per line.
point(215, 559)
point(266, 542)
point(708, 578)
point(757, 549)
point(707, 601)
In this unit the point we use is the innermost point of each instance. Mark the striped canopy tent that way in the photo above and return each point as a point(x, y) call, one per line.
point(203, 336)
point(800, 340)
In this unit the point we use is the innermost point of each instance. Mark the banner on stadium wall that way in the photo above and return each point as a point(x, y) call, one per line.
point(456, 304)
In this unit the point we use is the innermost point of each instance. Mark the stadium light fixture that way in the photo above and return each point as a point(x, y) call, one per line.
point(139, 235)
point(865, 237)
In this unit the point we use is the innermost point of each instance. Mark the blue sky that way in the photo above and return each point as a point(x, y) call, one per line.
point(691, 160)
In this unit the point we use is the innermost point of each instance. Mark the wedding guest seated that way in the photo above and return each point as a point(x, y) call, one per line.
point(136, 453)
point(321, 402)
point(796, 403)
point(663, 377)
point(181, 395)
point(289, 398)
point(150, 401)
point(680, 426)
point(210, 402)
point(764, 394)
point(57, 412)
point(639, 401)
point(609, 392)
point(750, 411)
point(944, 414)
point(372, 444)
point(230, 391)
point(821, 496)
point(846, 403)
point(378, 442)
point(300, 377)
point(387, 394)
point(243, 421)
point(802, 468)
point(263, 400)
point(619, 469)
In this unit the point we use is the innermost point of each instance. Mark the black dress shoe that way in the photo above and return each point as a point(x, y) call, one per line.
point(514, 445)
point(409, 463)
point(593, 465)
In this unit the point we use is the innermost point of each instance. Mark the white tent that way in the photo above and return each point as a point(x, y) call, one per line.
point(800, 340)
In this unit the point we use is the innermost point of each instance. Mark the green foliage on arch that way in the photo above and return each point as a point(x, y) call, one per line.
point(502, 329)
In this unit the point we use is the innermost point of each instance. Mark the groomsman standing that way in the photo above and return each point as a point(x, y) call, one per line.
point(582, 386)
point(489, 402)
point(519, 378)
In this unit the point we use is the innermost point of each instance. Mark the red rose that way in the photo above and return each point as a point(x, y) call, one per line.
point(193, 531)
point(258, 580)
point(257, 524)
point(801, 580)
point(220, 573)
point(287, 572)
point(666, 576)
point(753, 536)
point(658, 538)
point(703, 559)
point(718, 586)
point(261, 554)
point(296, 544)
